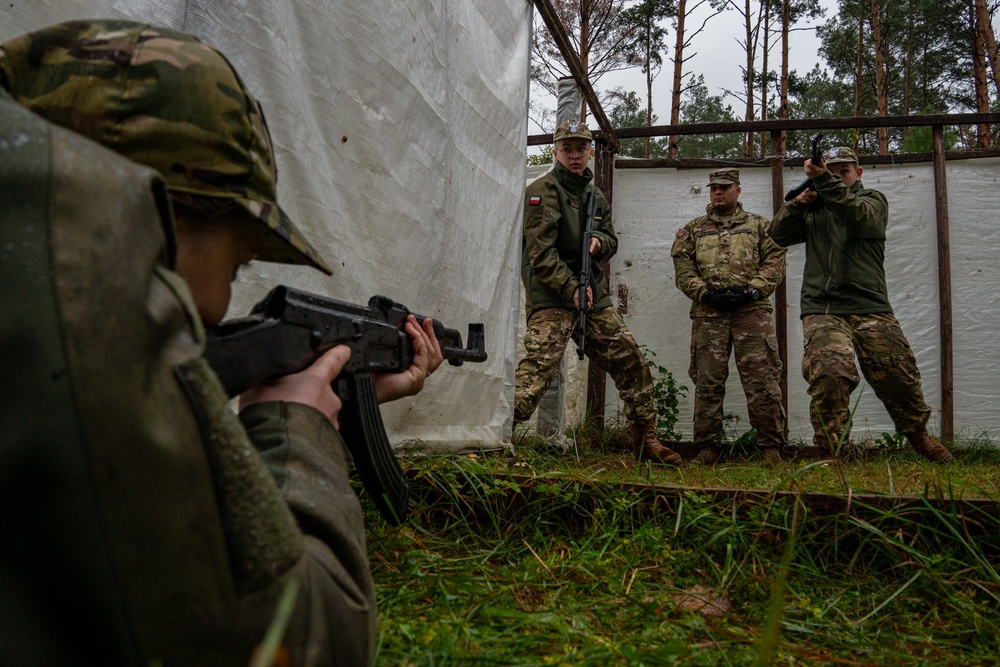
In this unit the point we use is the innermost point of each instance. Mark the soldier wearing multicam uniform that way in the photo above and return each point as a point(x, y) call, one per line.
point(845, 305)
point(150, 524)
point(550, 264)
point(726, 263)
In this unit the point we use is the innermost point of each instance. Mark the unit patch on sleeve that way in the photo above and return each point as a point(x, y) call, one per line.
point(681, 232)
point(534, 200)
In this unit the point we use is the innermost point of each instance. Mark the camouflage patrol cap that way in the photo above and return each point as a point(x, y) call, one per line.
point(163, 99)
point(572, 129)
point(839, 155)
point(724, 177)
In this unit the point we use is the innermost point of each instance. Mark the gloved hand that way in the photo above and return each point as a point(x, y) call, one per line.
point(713, 298)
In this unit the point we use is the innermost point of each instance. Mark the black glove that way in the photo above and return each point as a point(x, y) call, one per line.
point(713, 298)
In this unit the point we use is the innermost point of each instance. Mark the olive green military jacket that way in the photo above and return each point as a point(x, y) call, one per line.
point(141, 525)
point(551, 249)
point(844, 233)
point(711, 254)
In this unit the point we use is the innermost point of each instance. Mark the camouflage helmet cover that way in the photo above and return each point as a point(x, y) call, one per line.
point(727, 176)
point(572, 129)
point(163, 99)
point(840, 155)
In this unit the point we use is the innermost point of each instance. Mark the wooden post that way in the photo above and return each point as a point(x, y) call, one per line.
point(944, 288)
point(597, 380)
point(781, 293)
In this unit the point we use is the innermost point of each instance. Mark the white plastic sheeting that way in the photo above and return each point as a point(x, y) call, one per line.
point(651, 204)
point(400, 134)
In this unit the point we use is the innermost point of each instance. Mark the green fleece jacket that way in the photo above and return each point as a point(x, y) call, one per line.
point(551, 248)
point(844, 233)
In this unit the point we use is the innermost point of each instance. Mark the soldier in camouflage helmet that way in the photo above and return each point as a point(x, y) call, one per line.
point(153, 525)
point(728, 266)
point(845, 305)
point(550, 263)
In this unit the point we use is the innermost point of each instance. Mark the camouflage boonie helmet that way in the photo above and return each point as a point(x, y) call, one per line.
point(724, 177)
point(163, 99)
point(840, 155)
point(572, 129)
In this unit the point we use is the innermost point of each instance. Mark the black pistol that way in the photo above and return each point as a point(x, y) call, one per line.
point(817, 158)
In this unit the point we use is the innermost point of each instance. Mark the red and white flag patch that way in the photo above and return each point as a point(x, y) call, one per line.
point(534, 200)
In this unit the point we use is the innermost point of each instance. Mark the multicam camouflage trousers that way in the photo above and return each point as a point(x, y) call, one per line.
point(831, 344)
point(751, 335)
point(608, 343)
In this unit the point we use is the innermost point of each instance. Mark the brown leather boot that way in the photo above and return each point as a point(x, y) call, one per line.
point(772, 455)
point(646, 445)
point(930, 447)
point(706, 456)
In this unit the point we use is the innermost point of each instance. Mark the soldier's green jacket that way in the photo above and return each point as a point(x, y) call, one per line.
point(554, 219)
point(143, 523)
point(844, 233)
point(711, 254)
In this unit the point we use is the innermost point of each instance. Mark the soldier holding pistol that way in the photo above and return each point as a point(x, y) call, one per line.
point(846, 313)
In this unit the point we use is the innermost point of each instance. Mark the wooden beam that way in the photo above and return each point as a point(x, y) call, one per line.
point(572, 58)
point(850, 122)
point(781, 293)
point(944, 288)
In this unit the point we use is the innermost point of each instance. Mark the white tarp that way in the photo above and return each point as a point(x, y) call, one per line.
point(651, 204)
point(400, 134)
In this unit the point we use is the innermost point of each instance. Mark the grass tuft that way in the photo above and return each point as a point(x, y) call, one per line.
point(539, 558)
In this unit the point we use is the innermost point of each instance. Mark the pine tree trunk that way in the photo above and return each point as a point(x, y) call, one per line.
point(783, 109)
point(979, 72)
point(584, 53)
point(763, 78)
point(649, 94)
point(858, 78)
point(747, 139)
point(881, 92)
point(983, 15)
point(909, 69)
point(675, 98)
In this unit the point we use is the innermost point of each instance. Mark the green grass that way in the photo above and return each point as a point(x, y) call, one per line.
point(542, 559)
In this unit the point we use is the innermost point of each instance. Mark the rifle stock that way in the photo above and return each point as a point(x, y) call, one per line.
point(584, 276)
point(289, 329)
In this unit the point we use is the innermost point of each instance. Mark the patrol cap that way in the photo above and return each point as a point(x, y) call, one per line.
point(839, 155)
point(163, 99)
point(724, 177)
point(572, 129)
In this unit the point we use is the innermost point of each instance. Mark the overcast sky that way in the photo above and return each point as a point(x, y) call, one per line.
point(717, 54)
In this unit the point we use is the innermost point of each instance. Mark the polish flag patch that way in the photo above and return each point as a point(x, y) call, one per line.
point(534, 201)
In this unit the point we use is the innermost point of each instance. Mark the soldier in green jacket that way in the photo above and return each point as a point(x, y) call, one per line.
point(845, 305)
point(550, 265)
point(146, 523)
point(728, 266)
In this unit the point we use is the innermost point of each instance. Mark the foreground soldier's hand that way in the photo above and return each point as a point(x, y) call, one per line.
point(426, 358)
point(312, 387)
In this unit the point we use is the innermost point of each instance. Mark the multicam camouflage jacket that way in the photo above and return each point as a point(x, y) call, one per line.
point(710, 254)
point(553, 234)
point(844, 233)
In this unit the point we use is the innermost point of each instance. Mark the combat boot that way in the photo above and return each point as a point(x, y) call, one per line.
point(930, 447)
point(706, 456)
point(772, 455)
point(647, 446)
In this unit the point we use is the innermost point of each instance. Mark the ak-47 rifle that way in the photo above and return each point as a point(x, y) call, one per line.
point(817, 159)
point(289, 329)
point(580, 334)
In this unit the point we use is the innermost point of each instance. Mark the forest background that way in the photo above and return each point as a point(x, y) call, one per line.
point(659, 62)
